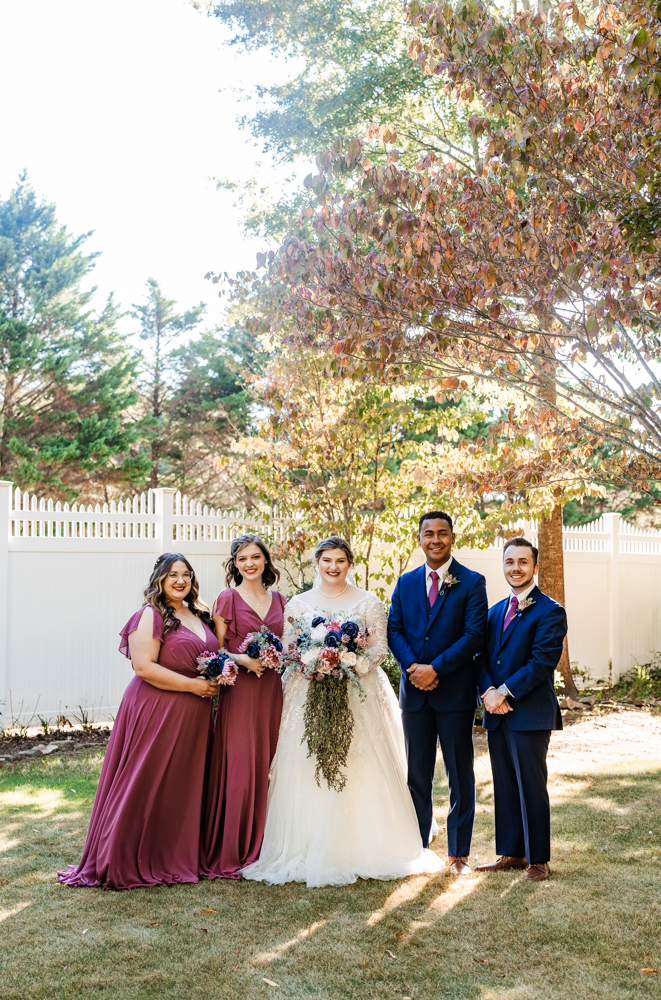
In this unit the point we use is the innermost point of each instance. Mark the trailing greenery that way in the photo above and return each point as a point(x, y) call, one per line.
point(329, 729)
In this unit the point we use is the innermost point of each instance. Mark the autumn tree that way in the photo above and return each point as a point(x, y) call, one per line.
point(354, 458)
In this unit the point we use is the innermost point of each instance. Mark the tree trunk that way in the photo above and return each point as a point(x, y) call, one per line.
point(552, 581)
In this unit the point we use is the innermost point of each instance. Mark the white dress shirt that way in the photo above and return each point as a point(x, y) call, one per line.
point(520, 598)
point(442, 573)
point(523, 595)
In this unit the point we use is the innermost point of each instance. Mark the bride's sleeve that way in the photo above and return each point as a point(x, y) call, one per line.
point(287, 625)
point(377, 622)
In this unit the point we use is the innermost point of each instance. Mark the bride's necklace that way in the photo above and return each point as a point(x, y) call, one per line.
point(331, 597)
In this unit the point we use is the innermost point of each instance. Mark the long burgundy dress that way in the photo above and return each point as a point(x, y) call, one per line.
point(145, 824)
point(244, 743)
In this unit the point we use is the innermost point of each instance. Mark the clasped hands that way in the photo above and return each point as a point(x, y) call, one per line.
point(496, 703)
point(423, 676)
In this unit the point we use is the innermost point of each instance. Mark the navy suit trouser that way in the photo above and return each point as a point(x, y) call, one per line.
point(523, 815)
point(422, 732)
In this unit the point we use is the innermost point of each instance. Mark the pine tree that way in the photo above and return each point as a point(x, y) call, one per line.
point(66, 375)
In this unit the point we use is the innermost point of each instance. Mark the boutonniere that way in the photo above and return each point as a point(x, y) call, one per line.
point(448, 581)
point(524, 604)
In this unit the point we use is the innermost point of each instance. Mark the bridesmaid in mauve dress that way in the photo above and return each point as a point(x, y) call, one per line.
point(248, 716)
point(145, 824)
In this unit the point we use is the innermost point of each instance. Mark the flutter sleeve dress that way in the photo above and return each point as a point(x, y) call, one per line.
point(245, 738)
point(145, 824)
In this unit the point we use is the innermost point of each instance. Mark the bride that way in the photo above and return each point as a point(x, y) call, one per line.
point(315, 834)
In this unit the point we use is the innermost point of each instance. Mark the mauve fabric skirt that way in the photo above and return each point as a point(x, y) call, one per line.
point(244, 743)
point(145, 824)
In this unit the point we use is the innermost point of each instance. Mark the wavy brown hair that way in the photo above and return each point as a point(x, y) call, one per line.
point(270, 575)
point(154, 593)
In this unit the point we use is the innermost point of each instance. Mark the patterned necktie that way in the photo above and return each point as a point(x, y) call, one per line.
point(511, 611)
point(433, 590)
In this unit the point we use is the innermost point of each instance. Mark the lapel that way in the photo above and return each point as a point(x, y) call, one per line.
point(440, 600)
point(421, 590)
point(504, 636)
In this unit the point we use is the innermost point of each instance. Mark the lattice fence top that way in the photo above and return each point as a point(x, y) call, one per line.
point(172, 515)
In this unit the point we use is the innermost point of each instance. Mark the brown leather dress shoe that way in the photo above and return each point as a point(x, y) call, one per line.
point(459, 866)
point(502, 865)
point(537, 873)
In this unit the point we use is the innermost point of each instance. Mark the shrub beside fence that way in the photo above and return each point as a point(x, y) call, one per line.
point(70, 577)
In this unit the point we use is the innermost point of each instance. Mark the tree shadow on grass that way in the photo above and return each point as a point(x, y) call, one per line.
point(586, 933)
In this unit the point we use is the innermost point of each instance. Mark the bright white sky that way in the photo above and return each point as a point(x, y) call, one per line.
point(122, 112)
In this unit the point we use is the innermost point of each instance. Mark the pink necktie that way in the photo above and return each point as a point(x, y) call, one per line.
point(511, 611)
point(433, 590)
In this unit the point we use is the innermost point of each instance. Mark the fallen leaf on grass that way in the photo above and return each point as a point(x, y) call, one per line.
point(209, 911)
point(86, 930)
point(203, 930)
point(175, 923)
point(478, 959)
point(388, 952)
point(622, 827)
point(269, 982)
point(399, 935)
point(155, 924)
point(656, 971)
point(236, 967)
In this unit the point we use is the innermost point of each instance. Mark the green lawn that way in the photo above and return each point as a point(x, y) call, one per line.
point(587, 933)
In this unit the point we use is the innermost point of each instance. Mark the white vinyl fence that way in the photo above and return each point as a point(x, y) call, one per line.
point(70, 577)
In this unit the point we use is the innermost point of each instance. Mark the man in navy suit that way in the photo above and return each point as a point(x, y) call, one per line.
point(526, 632)
point(437, 624)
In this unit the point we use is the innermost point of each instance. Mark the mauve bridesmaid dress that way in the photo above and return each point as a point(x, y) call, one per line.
point(145, 824)
point(244, 743)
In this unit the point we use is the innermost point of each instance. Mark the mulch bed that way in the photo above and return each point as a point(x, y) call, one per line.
point(13, 746)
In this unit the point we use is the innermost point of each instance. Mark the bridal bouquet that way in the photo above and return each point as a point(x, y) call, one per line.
point(263, 646)
point(217, 667)
point(331, 655)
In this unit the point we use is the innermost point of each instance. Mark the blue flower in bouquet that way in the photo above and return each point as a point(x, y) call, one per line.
point(319, 620)
point(274, 641)
point(333, 639)
point(350, 629)
point(217, 667)
point(214, 667)
point(265, 647)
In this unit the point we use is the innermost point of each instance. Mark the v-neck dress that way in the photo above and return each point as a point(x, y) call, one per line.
point(244, 743)
point(145, 824)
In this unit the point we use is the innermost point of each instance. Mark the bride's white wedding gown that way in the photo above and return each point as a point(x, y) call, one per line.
point(368, 830)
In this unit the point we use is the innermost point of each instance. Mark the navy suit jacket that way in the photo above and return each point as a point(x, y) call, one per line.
point(448, 636)
point(524, 658)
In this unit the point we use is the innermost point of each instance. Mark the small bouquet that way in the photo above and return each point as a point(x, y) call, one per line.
point(333, 652)
point(265, 647)
point(217, 667)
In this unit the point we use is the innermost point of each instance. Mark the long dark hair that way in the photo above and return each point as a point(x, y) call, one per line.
point(155, 595)
point(270, 575)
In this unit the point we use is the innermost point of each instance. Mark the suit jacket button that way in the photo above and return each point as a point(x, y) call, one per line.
point(426, 638)
point(497, 661)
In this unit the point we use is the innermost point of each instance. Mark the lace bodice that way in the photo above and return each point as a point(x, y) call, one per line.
point(367, 611)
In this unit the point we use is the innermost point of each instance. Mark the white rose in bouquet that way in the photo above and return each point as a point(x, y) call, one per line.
point(309, 656)
point(362, 664)
point(318, 634)
point(348, 659)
